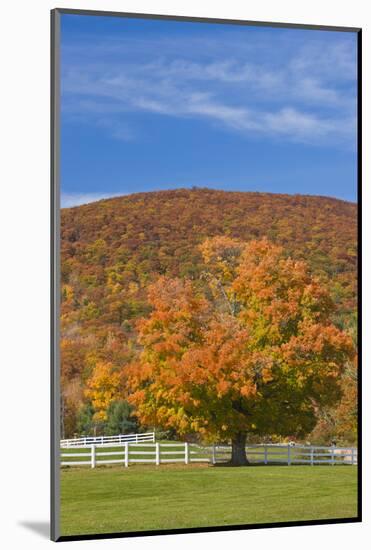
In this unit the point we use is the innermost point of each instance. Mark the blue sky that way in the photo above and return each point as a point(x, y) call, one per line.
point(150, 105)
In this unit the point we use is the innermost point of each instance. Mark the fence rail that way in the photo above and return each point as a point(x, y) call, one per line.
point(292, 454)
point(108, 439)
point(128, 452)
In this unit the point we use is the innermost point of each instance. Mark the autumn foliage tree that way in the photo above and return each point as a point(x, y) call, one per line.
point(248, 349)
point(103, 388)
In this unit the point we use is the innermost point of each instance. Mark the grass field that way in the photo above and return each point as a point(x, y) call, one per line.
point(140, 498)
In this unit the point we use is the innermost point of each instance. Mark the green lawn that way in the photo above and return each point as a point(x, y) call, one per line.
point(146, 497)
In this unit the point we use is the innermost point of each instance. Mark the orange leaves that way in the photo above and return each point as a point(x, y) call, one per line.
point(278, 293)
point(261, 366)
point(248, 390)
point(176, 317)
point(316, 340)
point(174, 296)
point(198, 378)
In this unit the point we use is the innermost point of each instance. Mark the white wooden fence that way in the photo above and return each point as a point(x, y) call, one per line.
point(159, 453)
point(108, 439)
point(292, 454)
point(129, 453)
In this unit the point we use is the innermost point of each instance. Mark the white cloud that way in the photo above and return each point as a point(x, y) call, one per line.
point(332, 62)
point(308, 97)
point(287, 122)
point(77, 199)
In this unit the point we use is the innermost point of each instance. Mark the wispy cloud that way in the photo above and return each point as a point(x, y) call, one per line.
point(308, 95)
point(77, 199)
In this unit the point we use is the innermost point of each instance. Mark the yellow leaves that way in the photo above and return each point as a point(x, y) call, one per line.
point(96, 251)
point(195, 425)
point(100, 416)
point(221, 255)
point(267, 375)
point(103, 387)
point(67, 293)
point(133, 288)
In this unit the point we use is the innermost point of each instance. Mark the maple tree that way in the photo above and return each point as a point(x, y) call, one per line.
point(252, 350)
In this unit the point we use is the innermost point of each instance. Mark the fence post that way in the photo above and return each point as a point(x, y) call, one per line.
point(352, 456)
point(265, 454)
point(311, 456)
point(186, 453)
point(93, 456)
point(332, 455)
point(213, 457)
point(126, 455)
point(288, 455)
point(157, 454)
point(136, 438)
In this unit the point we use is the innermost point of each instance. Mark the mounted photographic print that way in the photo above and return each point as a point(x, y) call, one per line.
point(206, 188)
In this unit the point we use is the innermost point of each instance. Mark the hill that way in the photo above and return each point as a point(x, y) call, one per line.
point(112, 249)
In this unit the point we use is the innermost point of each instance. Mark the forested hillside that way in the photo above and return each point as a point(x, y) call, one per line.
point(112, 249)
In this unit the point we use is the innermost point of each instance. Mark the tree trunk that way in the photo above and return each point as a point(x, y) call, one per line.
point(238, 450)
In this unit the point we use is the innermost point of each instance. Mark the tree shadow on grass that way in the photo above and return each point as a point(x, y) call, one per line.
point(251, 465)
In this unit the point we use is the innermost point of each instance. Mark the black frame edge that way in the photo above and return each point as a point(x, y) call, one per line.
point(359, 267)
point(195, 530)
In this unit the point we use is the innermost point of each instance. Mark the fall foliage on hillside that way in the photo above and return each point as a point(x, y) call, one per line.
point(115, 252)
